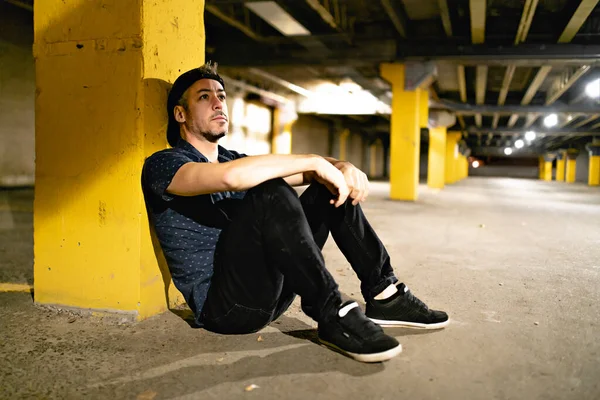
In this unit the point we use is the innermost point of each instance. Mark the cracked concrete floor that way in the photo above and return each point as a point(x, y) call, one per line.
point(516, 263)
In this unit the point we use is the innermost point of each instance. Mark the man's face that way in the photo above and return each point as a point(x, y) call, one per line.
point(206, 114)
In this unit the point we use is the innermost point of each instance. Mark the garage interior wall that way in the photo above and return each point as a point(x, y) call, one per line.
point(17, 97)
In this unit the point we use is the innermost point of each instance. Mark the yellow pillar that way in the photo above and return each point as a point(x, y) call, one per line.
point(560, 165)
point(437, 158)
point(373, 159)
point(541, 166)
point(405, 135)
point(101, 77)
point(281, 138)
point(547, 173)
point(571, 165)
point(344, 144)
point(451, 173)
point(594, 165)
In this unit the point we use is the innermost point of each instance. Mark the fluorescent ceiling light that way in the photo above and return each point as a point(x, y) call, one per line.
point(278, 18)
point(508, 151)
point(551, 120)
point(529, 136)
point(519, 144)
point(593, 89)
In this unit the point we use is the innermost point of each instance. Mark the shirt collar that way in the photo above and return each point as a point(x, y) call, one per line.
point(224, 154)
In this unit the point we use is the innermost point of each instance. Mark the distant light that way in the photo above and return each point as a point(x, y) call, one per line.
point(593, 89)
point(508, 151)
point(475, 164)
point(519, 143)
point(551, 120)
point(529, 136)
point(570, 118)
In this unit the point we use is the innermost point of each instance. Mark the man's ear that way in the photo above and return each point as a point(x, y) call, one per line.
point(179, 113)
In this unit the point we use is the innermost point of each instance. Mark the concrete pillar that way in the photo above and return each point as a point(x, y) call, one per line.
point(405, 135)
point(560, 165)
point(571, 165)
point(451, 170)
point(594, 166)
point(373, 159)
point(541, 165)
point(547, 172)
point(437, 158)
point(344, 134)
point(281, 136)
point(102, 78)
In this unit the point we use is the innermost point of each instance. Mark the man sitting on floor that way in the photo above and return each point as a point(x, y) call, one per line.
point(240, 244)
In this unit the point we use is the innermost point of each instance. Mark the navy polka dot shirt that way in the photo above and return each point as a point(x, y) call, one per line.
point(187, 227)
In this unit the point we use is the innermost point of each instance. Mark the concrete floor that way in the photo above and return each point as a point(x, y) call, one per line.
point(516, 263)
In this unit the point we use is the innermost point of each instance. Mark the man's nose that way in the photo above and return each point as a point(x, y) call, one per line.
point(217, 104)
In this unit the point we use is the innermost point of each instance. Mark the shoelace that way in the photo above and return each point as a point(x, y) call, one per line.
point(411, 298)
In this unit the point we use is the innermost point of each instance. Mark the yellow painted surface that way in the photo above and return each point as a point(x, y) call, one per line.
point(571, 170)
point(423, 108)
point(451, 162)
point(15, 287)
point(344, 144)
point(100, 111)
point(436, 163)
point(373, 159)
point(405, 136)
point(560, 170)
point(594, 171)
point(547, 171)
point(541, 164)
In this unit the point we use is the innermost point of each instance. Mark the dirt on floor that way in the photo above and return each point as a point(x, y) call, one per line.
point(516, 264)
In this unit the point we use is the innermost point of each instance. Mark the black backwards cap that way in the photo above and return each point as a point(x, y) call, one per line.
point(180, 85)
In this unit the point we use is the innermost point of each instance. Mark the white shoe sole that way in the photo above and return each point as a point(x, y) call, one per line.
point(403, 324)
point(367, 358)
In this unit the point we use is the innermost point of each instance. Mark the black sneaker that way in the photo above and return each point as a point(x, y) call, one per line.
point(354, 335)
point(405, 310)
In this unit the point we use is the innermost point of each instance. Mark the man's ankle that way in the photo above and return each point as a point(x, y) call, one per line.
point(387, 292)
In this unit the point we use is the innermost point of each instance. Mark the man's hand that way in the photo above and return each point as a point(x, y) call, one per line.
point(357, 181)
point(333, 179)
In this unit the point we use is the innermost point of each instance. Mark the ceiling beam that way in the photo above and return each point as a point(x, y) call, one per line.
point(480, 89)
point(577, 20)
point(214, 10)
point(564, 82)
point(462, 84)
point(531, 90)
point(522, 131)
point(487, 109)
point(526, 18)
point(586, 121)
point(508, 75)
point(369, 52)
point(478, 12)
point(398, 20)
point(445, 14)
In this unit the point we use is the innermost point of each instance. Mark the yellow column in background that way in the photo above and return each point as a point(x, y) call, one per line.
point(437, 158)
point(547, 173)
point(594, 165)
point(451, 173)
point(541, 166)
point(344, 144)
point(560, 165)
point(571, 165)
point(102, 78)
point(281, 137)
point(405, 135)
point(373, 159)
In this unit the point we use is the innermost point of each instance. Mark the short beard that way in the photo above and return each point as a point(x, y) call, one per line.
point(212, 137)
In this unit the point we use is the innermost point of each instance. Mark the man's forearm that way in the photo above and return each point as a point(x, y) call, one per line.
point(250, 171)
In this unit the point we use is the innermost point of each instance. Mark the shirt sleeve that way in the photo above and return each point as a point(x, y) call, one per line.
point(159, 170)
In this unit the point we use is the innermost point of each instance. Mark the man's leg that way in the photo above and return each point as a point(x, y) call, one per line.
point(368, 257)
point(263, 257)
point(353, 235)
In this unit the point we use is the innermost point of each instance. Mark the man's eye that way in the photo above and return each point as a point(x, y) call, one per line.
point(222, 97)
point(204, 97)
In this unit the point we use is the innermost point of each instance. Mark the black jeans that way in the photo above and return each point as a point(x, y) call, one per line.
point(271, 251)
